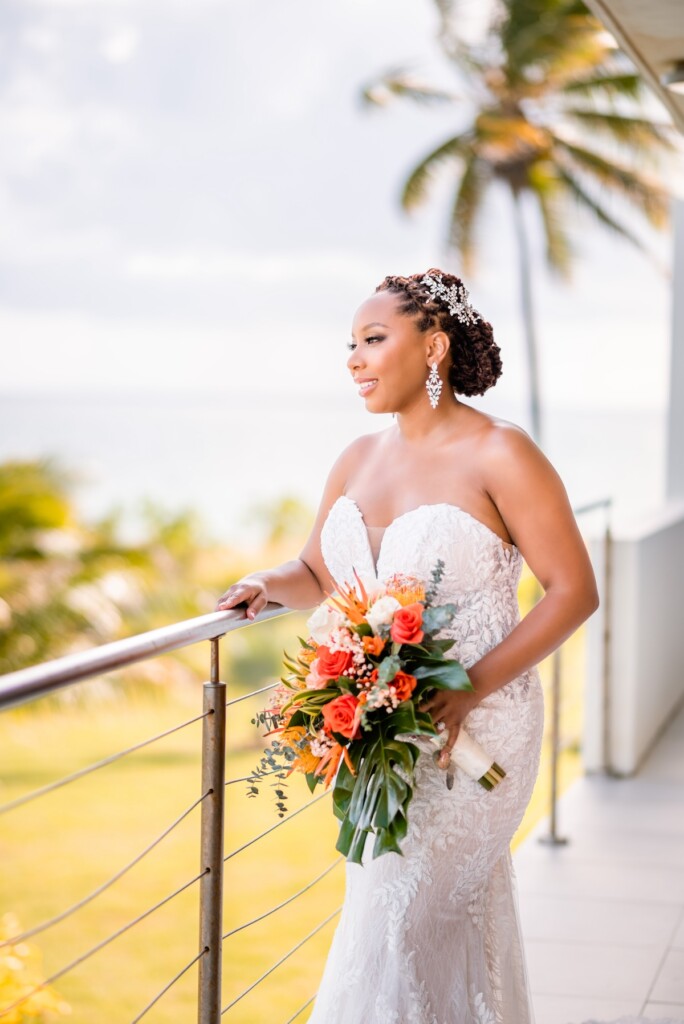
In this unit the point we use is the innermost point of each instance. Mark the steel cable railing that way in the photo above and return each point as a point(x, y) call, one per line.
point(64, 914)
point(290, 899)
point(30, 683)
point(301, 1009)
point(169, 985)
point(557, 744)
point(246, 696)
point(56, 975)
point(272, 828)
point(12, 805)
point(34, 682)
point(250, 778)
point(282, 960)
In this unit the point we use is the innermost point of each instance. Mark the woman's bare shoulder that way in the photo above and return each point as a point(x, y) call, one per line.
point(515, 469)
point(358, 451)
point(499, 440)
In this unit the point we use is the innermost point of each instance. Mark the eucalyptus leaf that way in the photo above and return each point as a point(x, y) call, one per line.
point(389, 668)
point(435, 619)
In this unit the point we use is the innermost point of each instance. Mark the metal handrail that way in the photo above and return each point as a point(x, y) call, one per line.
point(36, 681)
point(27, 683)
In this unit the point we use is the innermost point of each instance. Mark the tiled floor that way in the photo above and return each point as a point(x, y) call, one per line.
point(603, 916)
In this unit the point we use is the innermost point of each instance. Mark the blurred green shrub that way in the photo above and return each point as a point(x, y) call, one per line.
point(68, 585)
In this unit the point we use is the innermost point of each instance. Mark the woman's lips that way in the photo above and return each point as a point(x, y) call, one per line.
point(366, 385)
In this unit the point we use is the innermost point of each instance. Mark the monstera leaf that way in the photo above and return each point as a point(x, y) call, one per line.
point(375, 799)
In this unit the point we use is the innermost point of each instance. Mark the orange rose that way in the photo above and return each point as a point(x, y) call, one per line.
point(332, 664)
point(373, 644)
point(406, 624)
point(342, 715)
point(403, 685)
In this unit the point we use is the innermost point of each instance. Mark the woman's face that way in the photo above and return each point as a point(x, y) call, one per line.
point(388, 358)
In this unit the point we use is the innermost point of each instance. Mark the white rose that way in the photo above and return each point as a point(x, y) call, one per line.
point(322, 621)
point(382, 612)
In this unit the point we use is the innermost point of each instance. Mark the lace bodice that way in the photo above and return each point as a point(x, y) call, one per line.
point(432, 937)
point(481, 571)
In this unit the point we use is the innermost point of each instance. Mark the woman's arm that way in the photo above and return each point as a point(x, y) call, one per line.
point(304, 581)
point(533, 503)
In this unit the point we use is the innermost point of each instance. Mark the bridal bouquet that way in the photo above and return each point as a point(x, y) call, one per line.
point(354, 687)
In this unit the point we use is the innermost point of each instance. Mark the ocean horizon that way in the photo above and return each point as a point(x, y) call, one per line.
point(223, 454)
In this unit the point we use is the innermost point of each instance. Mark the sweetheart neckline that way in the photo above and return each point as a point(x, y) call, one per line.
point(506, 546)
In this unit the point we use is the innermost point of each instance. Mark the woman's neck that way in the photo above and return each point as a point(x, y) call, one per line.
point(422, 422)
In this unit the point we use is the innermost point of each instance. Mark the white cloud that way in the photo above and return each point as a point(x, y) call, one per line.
point(120, 45)
point(170, 210)
point(209, 264)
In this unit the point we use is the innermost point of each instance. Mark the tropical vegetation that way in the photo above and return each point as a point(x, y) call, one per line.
point(68, 583)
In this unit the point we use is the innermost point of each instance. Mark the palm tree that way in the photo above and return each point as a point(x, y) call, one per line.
point(545, 80)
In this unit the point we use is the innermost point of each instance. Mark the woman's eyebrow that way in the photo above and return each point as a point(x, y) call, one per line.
point(376, 323)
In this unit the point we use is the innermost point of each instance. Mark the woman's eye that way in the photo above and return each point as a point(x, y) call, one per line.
point(351, 345)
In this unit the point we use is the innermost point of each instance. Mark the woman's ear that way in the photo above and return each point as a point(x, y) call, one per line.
point(438, 347)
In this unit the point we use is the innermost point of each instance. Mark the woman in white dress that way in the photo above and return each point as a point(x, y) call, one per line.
point(432, 936)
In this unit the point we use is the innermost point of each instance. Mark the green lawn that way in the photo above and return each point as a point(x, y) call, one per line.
point(58, 848)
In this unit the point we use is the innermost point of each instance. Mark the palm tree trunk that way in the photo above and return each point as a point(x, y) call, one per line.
point(528, 317)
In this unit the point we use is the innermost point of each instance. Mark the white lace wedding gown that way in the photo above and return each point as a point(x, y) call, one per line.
point(432, 937)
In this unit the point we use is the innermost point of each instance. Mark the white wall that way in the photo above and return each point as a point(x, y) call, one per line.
point(646, 618)
point(646, 671)
point(675, 429)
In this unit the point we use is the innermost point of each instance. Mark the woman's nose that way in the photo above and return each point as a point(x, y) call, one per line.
point(354, 360)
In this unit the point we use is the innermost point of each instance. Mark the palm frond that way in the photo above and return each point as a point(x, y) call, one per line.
point(537, 33)
point(418, 183)
point(467, 203)
point(576, 189)
point(403, 84)
point(644, 193)
point(503, 137)
point(635, 131)
point(546, 186)
point(627, 84)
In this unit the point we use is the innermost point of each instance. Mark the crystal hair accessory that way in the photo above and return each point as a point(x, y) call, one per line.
point(455, 296)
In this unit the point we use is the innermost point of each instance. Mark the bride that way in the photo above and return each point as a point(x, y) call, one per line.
point(432, 936)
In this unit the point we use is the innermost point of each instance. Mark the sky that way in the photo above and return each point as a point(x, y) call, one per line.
point(192, 196)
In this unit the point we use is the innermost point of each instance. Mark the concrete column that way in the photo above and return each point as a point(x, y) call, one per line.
point(674, 479)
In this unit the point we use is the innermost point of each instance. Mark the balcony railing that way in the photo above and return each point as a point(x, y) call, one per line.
point(42, 680)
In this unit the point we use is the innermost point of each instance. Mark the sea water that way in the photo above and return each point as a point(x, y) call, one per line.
point(223, 454)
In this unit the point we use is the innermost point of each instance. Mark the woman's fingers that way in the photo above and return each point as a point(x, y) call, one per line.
point(251, 594)
point(431, 703)
point(233, 596)
point(256, 605)
point(445, 753)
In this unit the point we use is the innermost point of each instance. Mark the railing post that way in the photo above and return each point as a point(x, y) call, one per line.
point(211, 883)
point(607, 638)
point(553, 839)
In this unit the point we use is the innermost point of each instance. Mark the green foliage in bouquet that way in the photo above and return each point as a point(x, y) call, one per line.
point(348, 711)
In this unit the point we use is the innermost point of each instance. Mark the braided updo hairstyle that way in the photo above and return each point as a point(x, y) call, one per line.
point(475, 359)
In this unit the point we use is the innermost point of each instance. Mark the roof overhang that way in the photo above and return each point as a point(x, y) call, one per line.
point(651, 33)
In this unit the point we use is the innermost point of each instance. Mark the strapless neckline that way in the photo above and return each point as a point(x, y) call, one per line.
point(505, 546)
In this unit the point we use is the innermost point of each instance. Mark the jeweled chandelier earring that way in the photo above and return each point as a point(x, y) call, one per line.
point(433, 386)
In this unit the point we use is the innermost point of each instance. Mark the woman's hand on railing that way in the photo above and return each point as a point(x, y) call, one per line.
point(250, 591)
